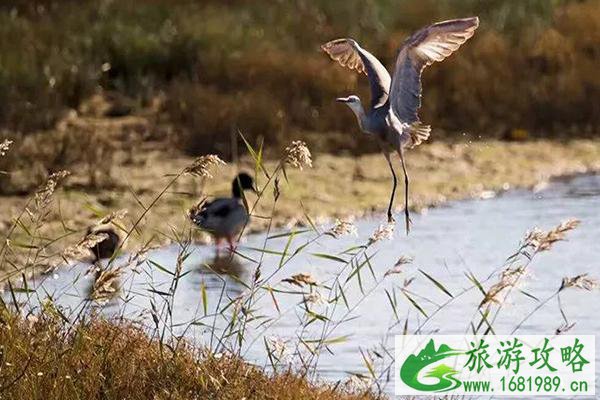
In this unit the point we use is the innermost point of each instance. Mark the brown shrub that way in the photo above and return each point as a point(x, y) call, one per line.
point(255, 67)
point(209, 119)
point(34, 157)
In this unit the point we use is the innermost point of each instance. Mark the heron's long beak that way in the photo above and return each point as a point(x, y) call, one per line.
point(342, 99)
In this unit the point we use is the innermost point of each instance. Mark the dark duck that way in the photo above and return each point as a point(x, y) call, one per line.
point(225, 217)
point(107, 247)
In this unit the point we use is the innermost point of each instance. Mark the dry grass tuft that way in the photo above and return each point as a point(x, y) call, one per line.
point(118, 360)
point(44, 193)
point(89, 149)
point(582, 281)
point(540, 240)
point(509, 278)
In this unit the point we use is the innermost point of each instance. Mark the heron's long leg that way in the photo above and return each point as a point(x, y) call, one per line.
point(406, 183)
point(389, 213)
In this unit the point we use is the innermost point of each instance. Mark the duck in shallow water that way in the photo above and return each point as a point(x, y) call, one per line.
point(225, 217)
point(107, 247)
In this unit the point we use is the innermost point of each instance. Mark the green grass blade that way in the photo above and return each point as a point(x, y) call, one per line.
point(437, 283)
point(475, 282)
point(329, 257)
point(415, 304)
point(286, 248)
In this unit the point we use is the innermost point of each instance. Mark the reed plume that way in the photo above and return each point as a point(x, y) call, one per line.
point(298, 155)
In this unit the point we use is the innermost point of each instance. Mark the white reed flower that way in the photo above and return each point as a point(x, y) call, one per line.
point(202, 165)
point(298, 155)
point(4, 146)
point(384, 231)
point(343, 228)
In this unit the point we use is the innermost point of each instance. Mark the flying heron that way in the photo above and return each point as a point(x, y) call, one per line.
point(393, 113)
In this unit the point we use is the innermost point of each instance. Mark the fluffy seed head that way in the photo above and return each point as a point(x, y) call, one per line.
point(202, 165)
point(314, 298)
point(399, 266)
point(540, 240)
point(301, 279)
point(113, 216)
point(343, 228)
point(82, 249)
point(509, 278)
point(105, 285)
point(385, 231)
point(44, 194)
point(582, 281)
point(298, 155)
point(4, 145)
point(279, 348)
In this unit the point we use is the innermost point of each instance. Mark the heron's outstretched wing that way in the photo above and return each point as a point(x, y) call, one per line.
point(430, 44)
point(349, 54)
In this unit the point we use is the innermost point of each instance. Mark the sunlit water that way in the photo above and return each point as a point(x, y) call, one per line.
point(446, 242)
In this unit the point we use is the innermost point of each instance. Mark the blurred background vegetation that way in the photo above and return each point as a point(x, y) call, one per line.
point(210, 68)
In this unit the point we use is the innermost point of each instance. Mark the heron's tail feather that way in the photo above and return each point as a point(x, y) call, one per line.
point(418, 133)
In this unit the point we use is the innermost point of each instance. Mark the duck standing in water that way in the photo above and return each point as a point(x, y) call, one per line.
point(107, 247)
point(225, 217)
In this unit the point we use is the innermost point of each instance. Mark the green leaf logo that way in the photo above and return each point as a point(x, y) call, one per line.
point(414, 364)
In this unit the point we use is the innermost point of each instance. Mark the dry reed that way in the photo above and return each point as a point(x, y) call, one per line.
point(201, 166)
point(298, 155)
point(343, 228)
point(4, 146)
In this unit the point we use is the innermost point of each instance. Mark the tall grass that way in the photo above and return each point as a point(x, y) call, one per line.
point(50, 351)
point(255, 66)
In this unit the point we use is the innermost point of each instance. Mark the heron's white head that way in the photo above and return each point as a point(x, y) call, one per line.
point(356, 106)
point(352, 99)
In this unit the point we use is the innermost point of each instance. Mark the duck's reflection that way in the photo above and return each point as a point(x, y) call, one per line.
point(226, 270)
point(106, 286)
point(225, 275)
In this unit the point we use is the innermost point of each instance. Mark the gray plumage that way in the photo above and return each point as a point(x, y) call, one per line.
point(393, 115)
point(225, 217)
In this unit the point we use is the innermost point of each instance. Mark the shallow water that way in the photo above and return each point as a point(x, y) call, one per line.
point(446, 242)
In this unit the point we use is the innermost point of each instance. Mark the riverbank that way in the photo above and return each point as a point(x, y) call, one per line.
point(45, 358)
point(336, 186)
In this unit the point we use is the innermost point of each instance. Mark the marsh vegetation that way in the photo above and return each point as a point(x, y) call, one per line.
point(47, 342)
